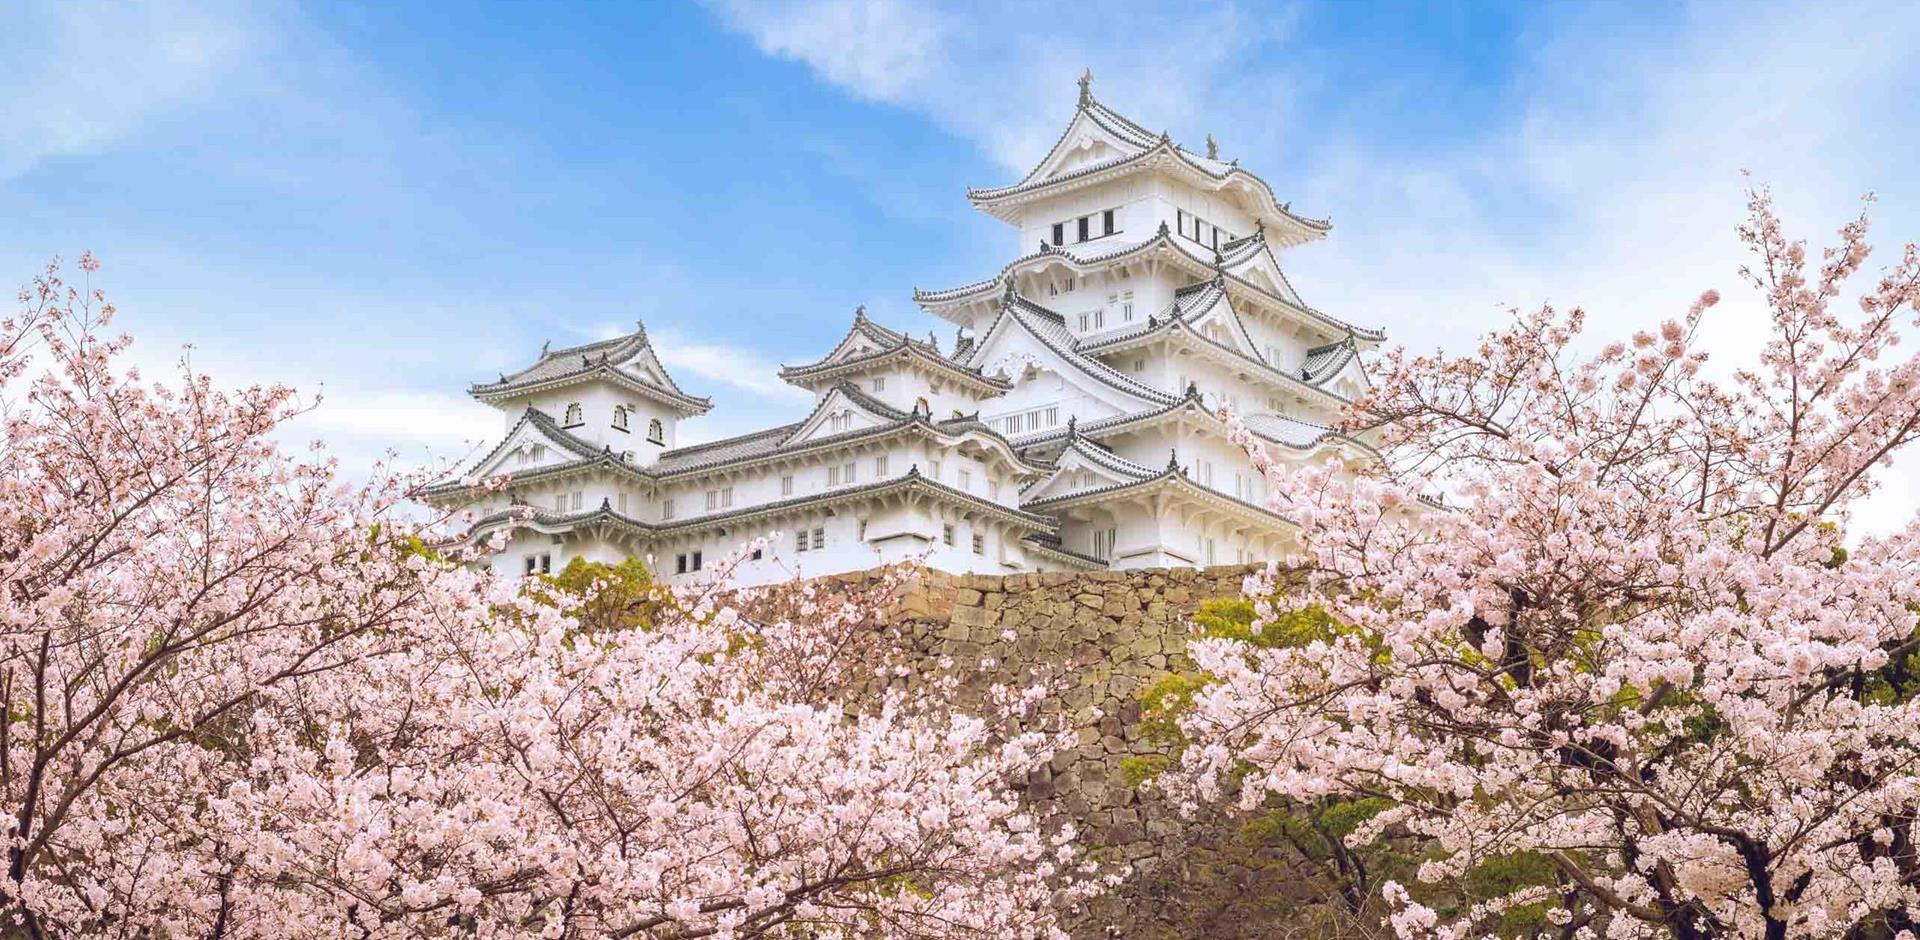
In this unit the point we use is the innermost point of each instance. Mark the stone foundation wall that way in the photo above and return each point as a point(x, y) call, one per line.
point(1108, 635)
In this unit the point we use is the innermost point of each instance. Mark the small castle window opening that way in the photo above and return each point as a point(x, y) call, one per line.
point(620, 417)
point(656, 432)
point(575, 416)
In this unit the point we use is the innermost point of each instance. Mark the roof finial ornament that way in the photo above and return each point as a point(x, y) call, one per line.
point(1086, 88)
point(1163, 228)
point(1072, 432)
point(1193, 390)
point(543, 347)
point(1173, 460)
point(640, 328)
point(1260, 229)
point(860, 313)
point(1006, 296)
point(1213, 148)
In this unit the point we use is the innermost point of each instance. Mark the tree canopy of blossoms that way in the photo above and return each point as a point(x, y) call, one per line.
point(1632, 653)
point(244, 700)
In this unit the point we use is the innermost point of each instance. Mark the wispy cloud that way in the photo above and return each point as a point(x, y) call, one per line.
point(1611, 181)
point(963, 68)
point(85, 76)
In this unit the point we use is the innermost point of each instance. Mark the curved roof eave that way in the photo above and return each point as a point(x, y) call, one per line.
point(984, 288)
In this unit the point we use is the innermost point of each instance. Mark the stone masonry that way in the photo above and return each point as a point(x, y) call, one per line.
point(1107, 635)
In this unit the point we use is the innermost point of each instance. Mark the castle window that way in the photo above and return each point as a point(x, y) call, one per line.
point(946, 534)
point(540, 564)
point(575, 417)
point(966, 480)
point(1059, 233)
point(620, 417)
point(680, 563)
point(879, 383)
point(786, 485)
point(800, 541)
point(979, 544)
point(559, 502)
point(696, 561)
point(880, 466)
point(656, 432)
point(1083, 228)
point(819, 538)
point(1106, 222)
point(666, 509)
point(934, 465)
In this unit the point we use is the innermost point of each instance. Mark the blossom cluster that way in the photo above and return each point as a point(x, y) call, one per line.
point(247, 700)
point(1598, 609)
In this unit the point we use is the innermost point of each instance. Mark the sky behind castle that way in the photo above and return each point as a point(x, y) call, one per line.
point(386, 204)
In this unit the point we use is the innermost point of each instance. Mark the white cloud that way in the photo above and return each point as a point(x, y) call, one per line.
point(741, 367)
point(1612, 181)
point(1001, 73)
point(83, 76)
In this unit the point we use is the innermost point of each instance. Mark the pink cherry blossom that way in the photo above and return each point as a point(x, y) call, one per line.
point(245, 700)
point(1630, 644)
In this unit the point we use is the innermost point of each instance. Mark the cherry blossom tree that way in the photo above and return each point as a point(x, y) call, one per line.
point(247, 700)
point(1637, 654)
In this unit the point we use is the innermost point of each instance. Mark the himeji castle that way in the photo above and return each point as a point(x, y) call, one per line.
point(1070, 425)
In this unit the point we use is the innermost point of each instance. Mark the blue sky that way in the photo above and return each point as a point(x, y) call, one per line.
point(387, 202)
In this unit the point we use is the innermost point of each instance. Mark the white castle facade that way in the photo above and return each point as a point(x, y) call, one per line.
point(1071, 425)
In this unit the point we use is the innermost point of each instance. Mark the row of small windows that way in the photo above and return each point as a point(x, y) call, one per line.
point(576, 416)
point(978, 542)
point(1103, 541)
point(540, 564)
point(687, 561)
point(1200, 230)
point(1036, 420)
point(1096, 319)
point(1083, 228)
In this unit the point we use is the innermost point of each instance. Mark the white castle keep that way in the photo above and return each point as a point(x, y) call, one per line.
point(1071, 425)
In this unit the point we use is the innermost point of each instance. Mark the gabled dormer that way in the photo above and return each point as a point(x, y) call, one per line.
point(895, 369)
point(615, 394)
point(1084, 466)
point(844, 409)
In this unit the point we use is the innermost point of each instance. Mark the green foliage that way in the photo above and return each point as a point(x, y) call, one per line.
point(620, 596)
point(1138, 770)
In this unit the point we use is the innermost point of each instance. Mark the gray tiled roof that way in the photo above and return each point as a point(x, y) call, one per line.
point(1324, 362)
point(891, 343)
point(1165, 237)
point(613, 357)
point(756, 444)
point(912, 479)
point(1145, 145)
point(1051, 329)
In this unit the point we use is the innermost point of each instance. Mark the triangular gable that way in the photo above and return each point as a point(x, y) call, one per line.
point(1020, 339)
point(533, 430)
point(1261, 269)
point(1091, 138)
point(1214, 318)
point(1081, 467)
point(841, 410)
